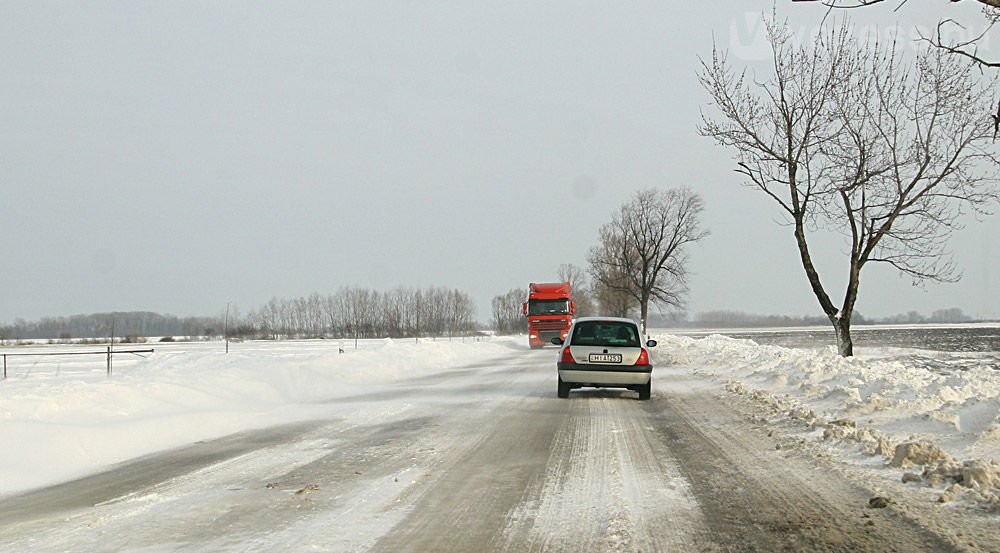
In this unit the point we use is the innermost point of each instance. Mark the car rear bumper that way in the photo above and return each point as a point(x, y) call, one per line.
point(604, 375)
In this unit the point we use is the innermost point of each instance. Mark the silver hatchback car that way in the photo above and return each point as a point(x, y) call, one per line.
point(604, 352)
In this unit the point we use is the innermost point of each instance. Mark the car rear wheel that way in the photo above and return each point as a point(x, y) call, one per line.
point(563, 389)
point(645, 390)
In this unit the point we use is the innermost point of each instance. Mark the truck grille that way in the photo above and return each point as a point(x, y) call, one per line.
point(548, 325)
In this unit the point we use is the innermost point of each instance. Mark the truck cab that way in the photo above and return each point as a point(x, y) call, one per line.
point(549, 310)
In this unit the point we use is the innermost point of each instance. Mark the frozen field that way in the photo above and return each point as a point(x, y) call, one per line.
point(971, 337)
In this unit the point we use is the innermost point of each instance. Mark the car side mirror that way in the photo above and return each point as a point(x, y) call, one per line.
point(557, 341)
point(650, 343)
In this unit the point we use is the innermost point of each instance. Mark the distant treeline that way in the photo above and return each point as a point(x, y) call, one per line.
point(348, 313)
point(953, 315)
point(103, 325)
point(740, 319)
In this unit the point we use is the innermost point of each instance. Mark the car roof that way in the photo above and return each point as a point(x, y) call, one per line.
point(605, 320)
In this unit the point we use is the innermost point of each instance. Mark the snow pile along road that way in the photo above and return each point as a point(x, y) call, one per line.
point(935, 420)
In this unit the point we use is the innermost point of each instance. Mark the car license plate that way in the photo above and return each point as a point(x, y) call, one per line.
point(605, 358)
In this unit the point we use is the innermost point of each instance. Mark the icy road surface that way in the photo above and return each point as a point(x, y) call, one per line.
point(477, 458)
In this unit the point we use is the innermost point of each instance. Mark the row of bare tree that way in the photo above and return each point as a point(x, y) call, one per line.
point(507, 315)
point(354, 312)
point(351, 312)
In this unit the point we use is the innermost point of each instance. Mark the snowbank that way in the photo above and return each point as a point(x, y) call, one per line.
point(938, 417)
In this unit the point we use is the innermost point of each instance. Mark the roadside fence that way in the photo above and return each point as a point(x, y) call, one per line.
point(109, 355)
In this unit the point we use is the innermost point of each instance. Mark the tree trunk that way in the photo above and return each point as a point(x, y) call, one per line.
point(841, 319)
point(842, 328)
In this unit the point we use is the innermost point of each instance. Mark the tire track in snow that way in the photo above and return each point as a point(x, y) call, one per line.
point(463, 510)
point(607, 487)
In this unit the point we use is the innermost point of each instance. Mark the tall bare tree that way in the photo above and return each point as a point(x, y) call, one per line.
point(843, 136)
point(643, 250)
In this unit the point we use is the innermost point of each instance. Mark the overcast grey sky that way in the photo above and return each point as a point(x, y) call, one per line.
point(176, 156)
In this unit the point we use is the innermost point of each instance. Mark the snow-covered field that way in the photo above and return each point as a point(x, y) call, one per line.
point(63, 417)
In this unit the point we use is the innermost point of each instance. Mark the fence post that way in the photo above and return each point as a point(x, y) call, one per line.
point(109, 360)
point(5, 366)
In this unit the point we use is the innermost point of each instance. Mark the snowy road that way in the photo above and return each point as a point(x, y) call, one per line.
point(475, 458)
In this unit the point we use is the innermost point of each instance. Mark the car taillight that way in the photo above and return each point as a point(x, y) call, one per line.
point(567, 357)
point(643, 358)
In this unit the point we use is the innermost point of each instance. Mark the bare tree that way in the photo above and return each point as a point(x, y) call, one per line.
point(461, 313)
point(575, 276)
point(613, 300)
point(643, 250)
point(359, 312)
point(844, 137)
point(435, 310)
point(582, 295)
point(393, 312)
point(507, 315)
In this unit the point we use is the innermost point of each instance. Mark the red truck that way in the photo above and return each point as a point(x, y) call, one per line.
point(549, 310)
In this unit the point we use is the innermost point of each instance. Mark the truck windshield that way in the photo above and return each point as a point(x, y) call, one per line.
point(548, 307)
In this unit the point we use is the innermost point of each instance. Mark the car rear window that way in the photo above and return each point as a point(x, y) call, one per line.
point(605, 333)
